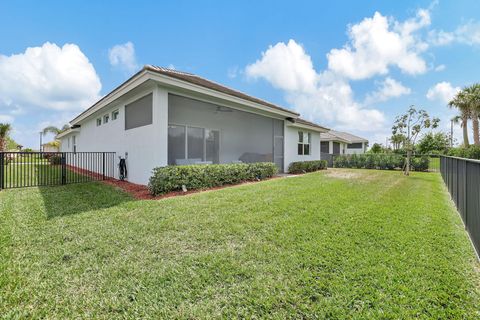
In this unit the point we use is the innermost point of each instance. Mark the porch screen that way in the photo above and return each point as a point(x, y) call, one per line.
point(324, 147)
point(139, 113)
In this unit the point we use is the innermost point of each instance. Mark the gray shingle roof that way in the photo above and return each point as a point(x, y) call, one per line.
point(345, 136)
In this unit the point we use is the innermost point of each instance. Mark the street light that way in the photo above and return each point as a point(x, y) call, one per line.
point(41, 134)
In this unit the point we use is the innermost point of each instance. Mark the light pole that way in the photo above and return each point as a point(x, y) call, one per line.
point(41, 134)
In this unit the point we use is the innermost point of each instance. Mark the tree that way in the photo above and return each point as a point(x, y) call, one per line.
point(55, 130)
point(472, 94)
point(5, 129)
point(460, 101)
point(376, 148)
point(397, 141)
point(437, 142)
point(411, 125)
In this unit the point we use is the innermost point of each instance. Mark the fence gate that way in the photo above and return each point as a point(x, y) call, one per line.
point(32, 169)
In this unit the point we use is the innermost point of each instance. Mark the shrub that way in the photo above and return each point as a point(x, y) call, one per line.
point(380, 161)
point(55, 159)
point(471, 152)
point(340, 162)
point(307, 166)
point(172, 178)
point(420, 163)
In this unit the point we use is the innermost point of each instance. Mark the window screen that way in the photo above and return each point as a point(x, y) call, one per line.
point(139, 113)
point(357, 145)
point(336, 148)
point(195, 143)
point(176, 144)
point(324, 146)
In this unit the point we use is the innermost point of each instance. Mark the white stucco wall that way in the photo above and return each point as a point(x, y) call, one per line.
point(144, 147)
point(291, 142)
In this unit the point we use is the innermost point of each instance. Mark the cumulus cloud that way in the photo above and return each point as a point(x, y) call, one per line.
point(323, 97)
point(51, 77)
point(440, 67)
point(123, 56)
point(442, 91)
point(387, 89)
point(468, 34)
point(379, 42)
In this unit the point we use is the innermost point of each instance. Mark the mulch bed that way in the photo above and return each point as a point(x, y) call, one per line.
point(141, 192)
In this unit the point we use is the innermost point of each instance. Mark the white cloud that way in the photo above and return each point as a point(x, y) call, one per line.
point(442, 91)
point(5, 118)
point(52, 77)
point(440, 67)
point(468, 33)
point(379, 42)
point(123, 56)
point(389, 88)
point(323, 97)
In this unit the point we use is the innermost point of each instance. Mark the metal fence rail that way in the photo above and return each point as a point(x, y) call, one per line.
point(32, 169)
point(462, 178)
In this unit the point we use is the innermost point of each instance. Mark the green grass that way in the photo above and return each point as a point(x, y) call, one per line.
point(340, 244)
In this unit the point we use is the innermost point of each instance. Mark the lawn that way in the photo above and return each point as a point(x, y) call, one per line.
point(336, 244)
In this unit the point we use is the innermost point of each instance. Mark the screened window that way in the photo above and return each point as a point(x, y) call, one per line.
point(99, 122)
point(106, 118)
point(325, 147)
point(74, 142)
point(191, 145)
point(139, 113)
point(304, 143)
point(115, 115)
point(357, 145)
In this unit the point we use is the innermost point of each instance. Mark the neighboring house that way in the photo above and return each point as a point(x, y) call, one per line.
point(162, 117)
point(337, 142)
point(50, 147)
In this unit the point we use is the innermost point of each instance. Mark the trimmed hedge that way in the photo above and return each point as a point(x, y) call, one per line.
point(380, 161)
point(172, 178)
point(307, 166)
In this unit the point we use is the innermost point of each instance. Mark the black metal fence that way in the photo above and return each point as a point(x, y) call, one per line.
point(31, 169)
point(462, 177)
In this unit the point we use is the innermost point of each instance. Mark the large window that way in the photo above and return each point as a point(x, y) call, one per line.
point(191, 145)
point(357, 145)
point(304, 143)
point(139, 113)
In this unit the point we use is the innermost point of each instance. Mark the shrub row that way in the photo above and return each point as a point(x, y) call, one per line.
point(380, 161)
point(307, 166)
point(471, 152)
point(172, 178)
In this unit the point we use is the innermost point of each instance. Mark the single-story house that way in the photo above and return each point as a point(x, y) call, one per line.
point(162, 117)
point(337, 142)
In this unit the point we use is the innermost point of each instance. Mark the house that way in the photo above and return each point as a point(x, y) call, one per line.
point(162, 117)
point(52, 146)
point(337, 142)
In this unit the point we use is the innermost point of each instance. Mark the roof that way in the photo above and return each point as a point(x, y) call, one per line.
point(308, 123)
point(191, 79)
point(342, 136)
point(194, 79)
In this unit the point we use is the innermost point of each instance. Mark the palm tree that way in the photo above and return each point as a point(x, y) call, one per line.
point(473, 100)
point(55, 130)
point(397, 140)
point(5, 129)
point(460, 101)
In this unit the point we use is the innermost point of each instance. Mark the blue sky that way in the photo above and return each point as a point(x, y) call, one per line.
point(348, 65)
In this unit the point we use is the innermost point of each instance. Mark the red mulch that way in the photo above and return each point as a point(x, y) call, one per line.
point(140, 192)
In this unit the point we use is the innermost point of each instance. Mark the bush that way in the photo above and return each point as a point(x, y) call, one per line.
point(172, 178)
point(471, 152)
point(55, 160)
point(420, 163)
point(380, 161)
point(307, 166)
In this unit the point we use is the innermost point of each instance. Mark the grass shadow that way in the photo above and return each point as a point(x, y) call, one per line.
point(82, 197)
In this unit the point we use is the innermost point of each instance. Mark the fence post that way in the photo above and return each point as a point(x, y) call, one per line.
point(2, 170)
point(465, 191)
point(103, 166)
point(64, 169)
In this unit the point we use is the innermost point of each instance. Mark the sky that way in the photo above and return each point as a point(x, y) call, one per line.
point(348, 65)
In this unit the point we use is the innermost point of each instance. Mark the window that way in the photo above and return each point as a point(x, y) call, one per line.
point(139, 113)
point(189, 145)
point(68, 142)
point(325, 147)
point(115, 115)
point(357, 145)
point(106, 118)
point(99, 122)
point(304, 143)
point(74, 142)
